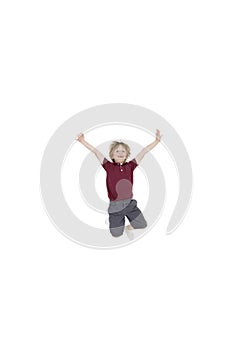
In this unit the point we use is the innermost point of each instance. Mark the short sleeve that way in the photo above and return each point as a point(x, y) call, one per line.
point(106, 164)
point(133, 164)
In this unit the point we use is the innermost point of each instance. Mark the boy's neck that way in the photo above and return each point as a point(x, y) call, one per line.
point(121, 163)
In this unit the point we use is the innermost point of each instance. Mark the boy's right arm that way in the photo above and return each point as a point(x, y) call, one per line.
point(98, 154)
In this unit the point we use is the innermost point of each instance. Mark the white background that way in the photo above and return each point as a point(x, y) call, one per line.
point(162, 292)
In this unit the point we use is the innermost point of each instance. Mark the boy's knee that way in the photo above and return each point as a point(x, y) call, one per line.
point(143, 225)
point(117, 231)
point(138, 223)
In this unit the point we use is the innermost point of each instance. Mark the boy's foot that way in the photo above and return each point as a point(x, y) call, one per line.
point(129, 232)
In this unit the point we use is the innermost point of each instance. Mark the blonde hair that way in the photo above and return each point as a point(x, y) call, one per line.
point(114, 145)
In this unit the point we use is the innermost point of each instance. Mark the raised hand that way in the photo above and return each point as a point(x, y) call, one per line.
point(80, 137)
point(158, 135)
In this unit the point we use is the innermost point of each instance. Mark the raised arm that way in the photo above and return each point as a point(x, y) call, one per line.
point(98, 154)
point(149, 147)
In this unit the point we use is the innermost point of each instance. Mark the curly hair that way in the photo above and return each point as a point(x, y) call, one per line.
point(114, 145)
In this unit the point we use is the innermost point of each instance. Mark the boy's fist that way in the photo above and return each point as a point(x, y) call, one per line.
point(80, 137)
point(158, 135)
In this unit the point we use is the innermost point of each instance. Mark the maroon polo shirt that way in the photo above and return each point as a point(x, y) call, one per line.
point(119, 179)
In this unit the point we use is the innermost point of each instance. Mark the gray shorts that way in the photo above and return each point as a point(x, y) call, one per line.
point(118, 210)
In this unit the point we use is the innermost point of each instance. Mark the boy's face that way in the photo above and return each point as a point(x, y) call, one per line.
point(119, 154)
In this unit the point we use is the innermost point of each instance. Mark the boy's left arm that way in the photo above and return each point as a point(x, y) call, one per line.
point(149, 147)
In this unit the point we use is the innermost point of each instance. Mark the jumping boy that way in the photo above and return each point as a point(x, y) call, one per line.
point(119, 183)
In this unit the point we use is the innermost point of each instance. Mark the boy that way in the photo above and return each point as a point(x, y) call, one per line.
point(120, 183)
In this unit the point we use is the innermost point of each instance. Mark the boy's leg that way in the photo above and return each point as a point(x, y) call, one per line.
point(135, 216)
point(116, 224)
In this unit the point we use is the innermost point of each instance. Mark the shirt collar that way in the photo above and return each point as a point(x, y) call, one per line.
point(119, 163)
